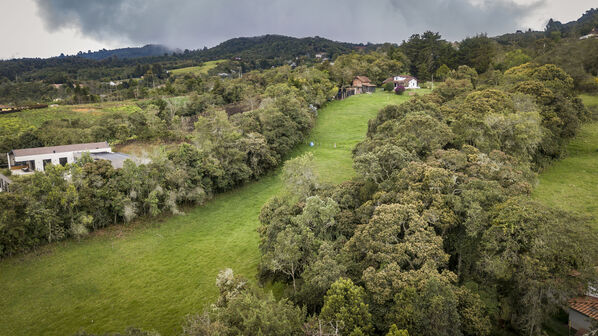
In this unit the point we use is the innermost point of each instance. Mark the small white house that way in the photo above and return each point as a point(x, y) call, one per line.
point(409, 82)
point(25, 161)
point(592, 34)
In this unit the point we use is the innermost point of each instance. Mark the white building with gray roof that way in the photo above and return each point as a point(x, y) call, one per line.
point(28, 160)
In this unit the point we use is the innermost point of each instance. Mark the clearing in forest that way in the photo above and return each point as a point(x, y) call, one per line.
point(197, 70)
point(13, 123)
point(154, 273)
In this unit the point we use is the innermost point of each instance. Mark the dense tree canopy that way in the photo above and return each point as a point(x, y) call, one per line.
point(438, 235)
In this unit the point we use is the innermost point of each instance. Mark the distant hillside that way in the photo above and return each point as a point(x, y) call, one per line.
point(579, 27)
point(276, 46)
point(258, 47)
point(127, 53)
point(560, 44)
point(257, 52)
point(554, 30)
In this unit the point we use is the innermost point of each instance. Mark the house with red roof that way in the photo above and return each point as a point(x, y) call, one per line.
point(362, 84)
point(583, 313)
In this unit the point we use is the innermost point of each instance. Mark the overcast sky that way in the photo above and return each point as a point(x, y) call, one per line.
point(44, 28)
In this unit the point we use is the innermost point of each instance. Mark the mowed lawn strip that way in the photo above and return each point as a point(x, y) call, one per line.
point(151, 277)
point(572, 183)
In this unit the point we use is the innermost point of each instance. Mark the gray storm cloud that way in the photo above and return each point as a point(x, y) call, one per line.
point(195, 23)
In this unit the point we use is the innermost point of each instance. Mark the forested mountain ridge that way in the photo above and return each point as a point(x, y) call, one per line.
point(131, 52)
point(427, 55)
point(275, 49)
point(273, 46)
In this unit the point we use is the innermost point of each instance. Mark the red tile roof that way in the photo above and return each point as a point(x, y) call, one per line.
point(586, 305)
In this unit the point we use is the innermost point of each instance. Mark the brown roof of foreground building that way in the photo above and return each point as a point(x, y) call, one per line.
point(586, 305)
point(360, 81)
point(60, 149)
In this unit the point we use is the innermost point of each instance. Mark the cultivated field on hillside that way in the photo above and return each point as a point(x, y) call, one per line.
point(20, 121)
point(197, 70)
point(152, 274)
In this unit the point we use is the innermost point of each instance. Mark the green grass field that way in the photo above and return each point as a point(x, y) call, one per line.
point(19, 121)
point(155, 273)
point(589, 100)
point(572, 183)
point(197, 70)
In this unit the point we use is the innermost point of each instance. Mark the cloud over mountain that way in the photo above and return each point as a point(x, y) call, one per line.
point(195, 23)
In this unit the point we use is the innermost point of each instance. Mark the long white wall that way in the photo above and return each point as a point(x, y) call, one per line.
point(55, 157)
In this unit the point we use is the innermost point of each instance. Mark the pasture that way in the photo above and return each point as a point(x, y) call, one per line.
point(13, 123)
point(572, 183)
point(197, 70)
point(151, 274)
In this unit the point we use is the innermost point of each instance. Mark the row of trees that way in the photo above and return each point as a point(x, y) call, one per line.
point(218, 153)
point(422, 54)
point(437, 236)
point(428, 53)
point(170, 119)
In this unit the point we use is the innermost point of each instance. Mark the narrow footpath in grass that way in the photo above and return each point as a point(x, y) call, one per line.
point(153, 275)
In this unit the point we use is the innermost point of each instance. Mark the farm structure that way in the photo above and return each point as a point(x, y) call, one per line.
point(591, 34)
point(11, 109)
point(408, 82)
point(27, 160)
point(583, 313)
point(361, 84)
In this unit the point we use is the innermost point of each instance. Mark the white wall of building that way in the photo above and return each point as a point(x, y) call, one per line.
point(578, 320)
point(55, 157)
point(412, 84)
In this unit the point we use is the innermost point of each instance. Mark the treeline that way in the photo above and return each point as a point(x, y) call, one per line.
point(134, 52)
point(430, 56)
point(426, 55)
point(169, 119)
point(259, 52)
point(437, 236)
point(217, 154)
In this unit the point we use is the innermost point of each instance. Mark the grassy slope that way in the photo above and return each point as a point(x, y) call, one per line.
point(572, 183)
point(196, 70)
point(153, 276)
point(19, 121)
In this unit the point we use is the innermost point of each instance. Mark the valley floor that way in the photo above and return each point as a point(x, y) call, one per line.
point(153, 274)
